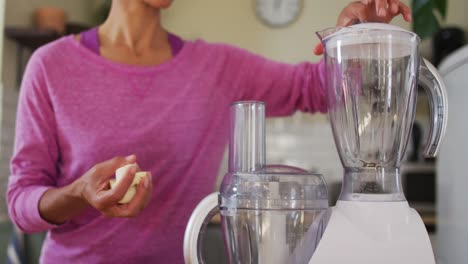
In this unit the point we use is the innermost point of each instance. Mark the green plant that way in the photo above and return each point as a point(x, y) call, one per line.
point(427, 15)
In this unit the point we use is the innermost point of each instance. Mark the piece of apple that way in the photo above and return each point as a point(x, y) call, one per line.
point(120, 173)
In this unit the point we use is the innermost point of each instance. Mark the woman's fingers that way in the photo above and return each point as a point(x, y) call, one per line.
point(136, 205)
point(393, 6)
point(355, 11)
point(382, 11)
point(106, 169)
point(405, 11)
point(97, 193)
point(318, 50)
point(384, 7)
point(112, 196)
point(380, 6)
point(385, 10)
point(143, 194)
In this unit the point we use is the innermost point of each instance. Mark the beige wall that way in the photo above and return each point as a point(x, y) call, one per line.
point(19, 13)
point(2, 24)
point(457, 13)
point(235, 22)
point(220, 20)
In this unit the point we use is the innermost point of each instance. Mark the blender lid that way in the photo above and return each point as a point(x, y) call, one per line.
point(361, 28)
point(384, 39)
point(274, 188)
point(379, 26)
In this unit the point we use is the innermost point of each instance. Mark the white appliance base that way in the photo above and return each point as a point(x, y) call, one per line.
point(374, 232)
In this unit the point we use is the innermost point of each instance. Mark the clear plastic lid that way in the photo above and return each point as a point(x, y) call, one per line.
point(274, 188)
point(250, 183)
point(368, 39)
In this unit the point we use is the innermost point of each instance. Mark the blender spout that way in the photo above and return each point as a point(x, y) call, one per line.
point(325, 33)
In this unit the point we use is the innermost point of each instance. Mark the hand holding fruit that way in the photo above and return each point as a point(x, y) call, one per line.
point(115, 202)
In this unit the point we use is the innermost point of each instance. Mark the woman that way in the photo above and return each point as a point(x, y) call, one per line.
point(130, 87)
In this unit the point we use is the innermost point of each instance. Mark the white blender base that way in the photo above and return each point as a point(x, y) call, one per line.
point(374, 232)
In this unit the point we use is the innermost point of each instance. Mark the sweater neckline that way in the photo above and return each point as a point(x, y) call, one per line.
point(104, 62)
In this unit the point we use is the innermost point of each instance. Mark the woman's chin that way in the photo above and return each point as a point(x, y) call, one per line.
point(159, 3)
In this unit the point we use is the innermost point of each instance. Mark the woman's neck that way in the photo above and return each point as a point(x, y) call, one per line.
point(133, 26)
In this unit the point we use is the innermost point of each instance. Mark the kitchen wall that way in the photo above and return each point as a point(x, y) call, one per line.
point(2, 25)
point(19, 13)
point(219, 20)
point(235, 22)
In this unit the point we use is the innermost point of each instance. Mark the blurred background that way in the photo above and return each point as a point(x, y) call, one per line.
point(433, 187)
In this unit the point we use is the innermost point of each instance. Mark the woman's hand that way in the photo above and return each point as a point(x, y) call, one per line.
point(97, 193)
point(58, 205)
point(370, 11)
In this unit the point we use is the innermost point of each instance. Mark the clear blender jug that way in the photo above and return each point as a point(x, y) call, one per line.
point(269, 214)
point(372, 72)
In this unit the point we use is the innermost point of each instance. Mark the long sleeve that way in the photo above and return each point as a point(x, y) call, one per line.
point(284, 87)
point(33, 165)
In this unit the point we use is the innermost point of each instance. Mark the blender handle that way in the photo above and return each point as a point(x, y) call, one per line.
point(196, 227)
point(433, 84)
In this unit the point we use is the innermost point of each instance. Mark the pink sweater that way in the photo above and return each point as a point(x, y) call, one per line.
point(77, 109)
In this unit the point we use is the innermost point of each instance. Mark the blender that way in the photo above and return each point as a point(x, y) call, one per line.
point(269, 213)
point(372, 76)
point(278, 214)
